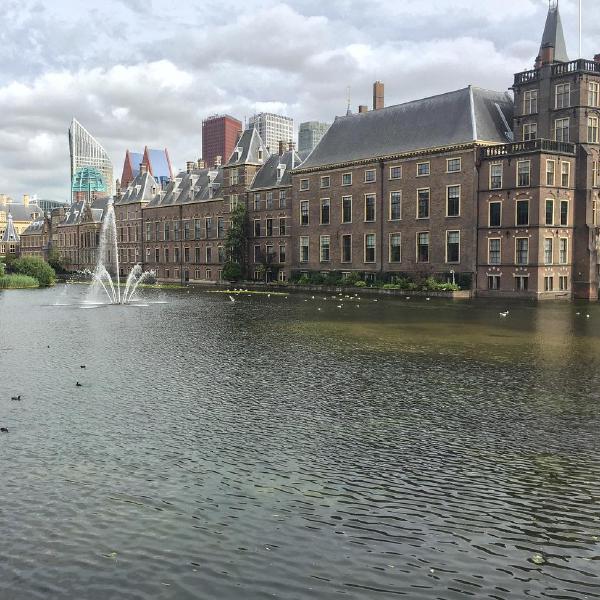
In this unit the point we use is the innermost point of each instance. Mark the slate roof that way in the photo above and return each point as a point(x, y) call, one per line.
point(197, 186)
point(20, 212)
point(554, 35)
point(142, 189)
point(250, 143)
point(463, 116)
point(35, 227)
point(268, 175)
point(10, 233)
point(75, 212)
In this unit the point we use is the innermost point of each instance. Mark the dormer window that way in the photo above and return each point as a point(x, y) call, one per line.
point(280, 171)
point(238, 152)
point(260, 154)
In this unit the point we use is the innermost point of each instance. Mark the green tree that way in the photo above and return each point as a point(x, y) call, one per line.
point(232, 271)
point(55, 260)
point(35, 267)
point(236, 240)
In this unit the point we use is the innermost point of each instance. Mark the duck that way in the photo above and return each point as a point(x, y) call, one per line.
point(16, 398)
point(82, 366)
point(78, 384)
point(504, 314)
point(3, 429)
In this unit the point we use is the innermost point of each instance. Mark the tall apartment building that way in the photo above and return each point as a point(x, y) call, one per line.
point(220, 134)
point(310, 134)
point(273, 129)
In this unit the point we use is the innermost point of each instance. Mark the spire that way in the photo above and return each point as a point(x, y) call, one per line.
point(553, 37)
point(10, 233)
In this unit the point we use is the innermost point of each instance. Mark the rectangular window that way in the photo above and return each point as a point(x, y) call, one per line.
point(563, 283)
point(325, 181)
point(529, 131)
point(269, 201)
point(561, 130)
point(304, 185)
point(346, 248)
point(395, 247)
point(186, 255)
point(496, 176)
point(269, 227)
point(186, 230)
point(370, 175)
point(156, 255)
point(522, 212)
point(522, 251)
point(453, 165)
point(423, 247)
point(167, 231)
point(563, 95)
point(595, 173)
point(530, 102)
point(325, 206)
point(208, 254)
point(176, 255)
point(452, 246)
point(395, 206)
point(550, 173)
point(197, 229)
point(282, 226)
point(549, 284)
point(493, 282)
point(347, 179)
point(370, 248)
point(396, 172)
point(369, 208)
point(166, 253)
point(495, 216)
point(270, 253)
point(522, 283)
point(208, 273)
point(282, 253)
point(256, 201)
point(423, 169)
point(257, 254)
point(176, 231)
point(304, 212)
point(563, 250)
point(564, 213)
point(257, 228)
point(593, 94)
point(523, 173)
point(548, 251)
point(304, 249)
point(197, 254)
point(148, 232)
point(549, 212)
point(208, 226)
point(346, 209)
point(494, 251)
point(592, 130)
point(423, 203)
point(565, 174)
point(453, 201)
point(220, 227)
point(325, 245)
point(282, 199)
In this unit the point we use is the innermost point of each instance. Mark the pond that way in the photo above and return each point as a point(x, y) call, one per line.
point(291, 447)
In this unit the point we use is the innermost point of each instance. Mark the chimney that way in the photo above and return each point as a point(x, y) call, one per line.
point(597, 58)
point(378, 96)
point(190, 164)
point(363, 108)
point(281, 147)
point(218, 160)
point(547, 55)
point(201, 164)
point(291, 146)
point(25, 199)
point(143, 168)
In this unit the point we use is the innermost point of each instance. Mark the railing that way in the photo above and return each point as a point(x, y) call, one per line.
point(527, 76)
point(576, 65)
point(527, 147)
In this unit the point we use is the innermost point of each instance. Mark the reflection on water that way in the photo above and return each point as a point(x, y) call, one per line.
point(265, 448)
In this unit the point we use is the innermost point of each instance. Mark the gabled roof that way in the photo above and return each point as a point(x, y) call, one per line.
point(10, 233)
point(159, 164)
point(75, 212)
point(269, 174)
point(460, 117)
point(554, 36)
point(250, 146)
point(20, 212)
point(142, 189)
point(196, 186)
point(36, 227)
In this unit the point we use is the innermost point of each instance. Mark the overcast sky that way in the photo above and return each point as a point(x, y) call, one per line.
point(137, 72)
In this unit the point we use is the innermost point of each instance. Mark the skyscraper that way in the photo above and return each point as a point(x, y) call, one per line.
point(310, 134)
point(86, 151)
point(220, 134)
point(273, 129)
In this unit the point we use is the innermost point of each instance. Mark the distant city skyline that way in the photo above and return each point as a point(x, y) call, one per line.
point(132, 84)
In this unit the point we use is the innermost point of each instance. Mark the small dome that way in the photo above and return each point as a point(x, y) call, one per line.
point(88, 179)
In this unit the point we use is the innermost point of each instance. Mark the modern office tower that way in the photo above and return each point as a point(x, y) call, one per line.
point(310, 134)
point(273, 129)
point(220, 134)
point(86, 151)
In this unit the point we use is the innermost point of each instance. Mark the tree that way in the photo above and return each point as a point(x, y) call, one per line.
point(34, 267)
point(236, 240)
point(55, 260)
point(232, 271)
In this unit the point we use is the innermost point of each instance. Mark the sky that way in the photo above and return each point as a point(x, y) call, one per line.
point(146, 72)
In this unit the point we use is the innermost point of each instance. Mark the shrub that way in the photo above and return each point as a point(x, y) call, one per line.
point(2, 269)
point(352, 279)
point(17, 281)
point(304, 279)
point(360, 284)
point(35, 267)
point(232, 271)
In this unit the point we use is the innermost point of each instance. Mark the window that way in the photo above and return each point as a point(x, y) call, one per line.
point(234, 176)
point(167, 231)
point(208, 254)
point(369, 207)
point(346, 209)
point(197, 255)
point(565, 172)
point(197, 229)
point(495, 216)
point(423, 203)
point(452, 246)
point(346, 248)
point(282, 253)
point(208, 273)
point(269, 201)
point(563, 283)
point(176, 230)
point(522, 251)
point(256, 201)
point(166, 253)
point(282, 226)
point(595, 173)
point(523, 173)
point(395, 172)
point(257, 227)
point(220, 227)
point(186, 230)
point(325, 181)
point(563, 95)
point(304, 249)
point(453, 201)
point(561, 130)
point(156, 255)
point(522, 283)
point(325, 244)
point(493, 282)
point(593, 94)
point(530, 102)
point(304, 185)
point(270, 253)
point(148, 232)
point(423, 247)
point(282, 199)
point(395, 206)
point(549, 212)
point(496, 176)
point(549, 284)
point(548, 251)
point(592, 130)
point(529, 131)
point(148, 254)
point(208, 226)
point(370, 248)
point(395, 247)
point(423, 169)
point(494, 251)
point(269, 227)
point(346, 178)
point(257, 254)
point(564, 213)
point(453, 165)
point(325, 205)
point(304, 212)
point(186, 255)
point(563, 248)
point(370, 176)
point(522, 212)
point(550, 173)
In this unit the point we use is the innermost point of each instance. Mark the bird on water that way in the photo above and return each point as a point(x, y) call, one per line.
point(78, 384)
point(3, 430)
point(16, 398)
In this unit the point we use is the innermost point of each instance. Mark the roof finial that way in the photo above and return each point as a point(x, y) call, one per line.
point(348, 109)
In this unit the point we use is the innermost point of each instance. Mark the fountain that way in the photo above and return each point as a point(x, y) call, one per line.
point(105, 277)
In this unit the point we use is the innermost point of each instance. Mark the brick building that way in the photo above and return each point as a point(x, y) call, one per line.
point(220, 134)
point(35, 240)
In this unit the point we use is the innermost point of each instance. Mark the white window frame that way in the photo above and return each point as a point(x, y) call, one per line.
point(321, 239)
point(428, 247)
point(594, 94)
point(523, 162)
point(370, 262)
point(494, 239)
point(390, 172)
point(559, 92)
point(346, 175)
point(546, 261)
point(390, 205)
point(374, 171)
point(325, 182)
point(304, 185)
point(448, 232)
point(459, 186)
point(374, 219)
point(529, 98)
point(301, 239)
point(529, 131)
point(567, 128)
point(342, 248)
point(428, 163)
point(567, 173)
point(453, 159)
point(517, 251)
point(342, 207)
point(492, 165)
point(490, 212)
point(551, 161)
point(566, 241)
point(394, 233)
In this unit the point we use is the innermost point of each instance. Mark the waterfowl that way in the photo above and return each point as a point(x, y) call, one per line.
point(3, 430)
point(82, 366)
point(16, 397)
point(78, 384)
